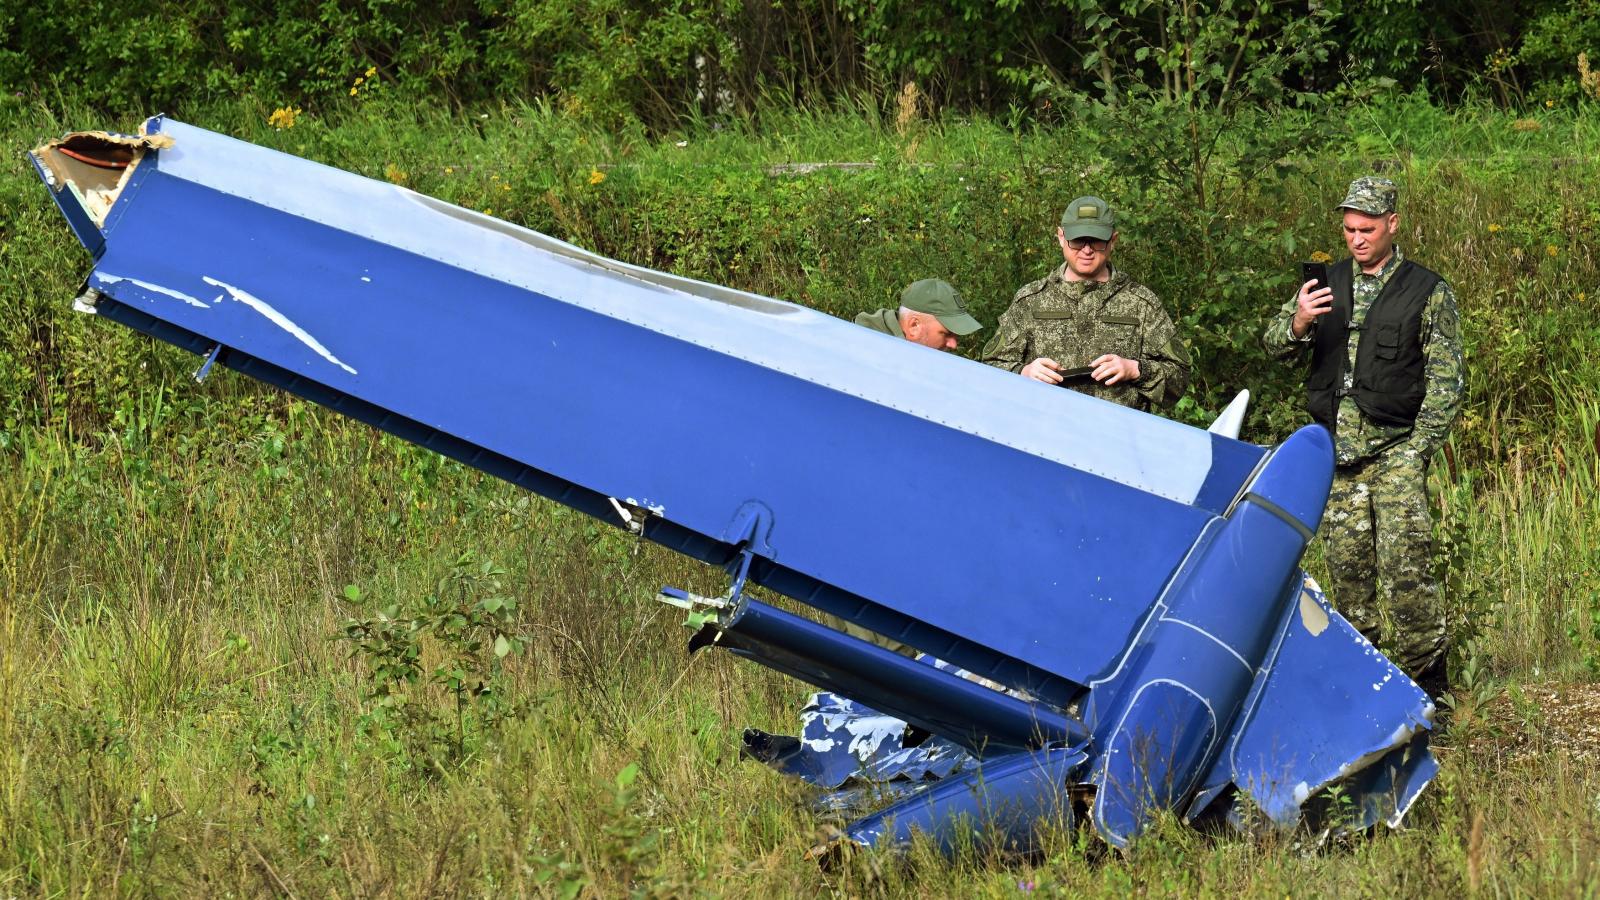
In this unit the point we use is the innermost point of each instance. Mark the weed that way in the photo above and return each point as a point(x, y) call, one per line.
point(466, 628)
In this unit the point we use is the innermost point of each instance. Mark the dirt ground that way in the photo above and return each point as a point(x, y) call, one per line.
point(1526, 719)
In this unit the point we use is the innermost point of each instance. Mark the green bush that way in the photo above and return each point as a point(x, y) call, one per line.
point(663, 64)
point(973, 203)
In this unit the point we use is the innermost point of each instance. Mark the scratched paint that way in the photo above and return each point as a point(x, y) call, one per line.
point(104, 278)
point(656, 509)
point(1311, 614)
point(280, 320)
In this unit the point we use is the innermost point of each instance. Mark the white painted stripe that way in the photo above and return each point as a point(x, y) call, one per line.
point(1218, 641)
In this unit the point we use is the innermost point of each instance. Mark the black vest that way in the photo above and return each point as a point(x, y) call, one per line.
point(1389, 383)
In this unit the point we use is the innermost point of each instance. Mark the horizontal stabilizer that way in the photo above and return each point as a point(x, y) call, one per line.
point(1328, 709)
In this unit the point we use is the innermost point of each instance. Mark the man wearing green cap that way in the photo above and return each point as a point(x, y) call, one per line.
point(1089, 326)
point(1386, 379)
point(931, 313)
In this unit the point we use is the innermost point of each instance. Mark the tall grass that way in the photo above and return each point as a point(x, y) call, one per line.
point(182, 719)
point(180, 715)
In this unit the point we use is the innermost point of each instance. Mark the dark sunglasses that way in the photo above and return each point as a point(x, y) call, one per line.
point(1094, 244)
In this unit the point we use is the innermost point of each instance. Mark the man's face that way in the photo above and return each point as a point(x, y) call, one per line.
point(1086, 257)
point(1370, 238)
point(921, 328)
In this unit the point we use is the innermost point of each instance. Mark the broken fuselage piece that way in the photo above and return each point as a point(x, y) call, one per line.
point(1124, 591)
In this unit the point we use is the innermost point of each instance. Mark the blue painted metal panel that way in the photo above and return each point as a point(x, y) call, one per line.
point(1092, 559)
point(413, 334)
point(1002, 806)
point(1330, 709)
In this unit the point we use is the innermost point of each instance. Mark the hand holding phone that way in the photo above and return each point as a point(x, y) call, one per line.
point(1315, 297)
point(1314, 271)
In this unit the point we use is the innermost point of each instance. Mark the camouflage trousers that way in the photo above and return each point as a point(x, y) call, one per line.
point(1378, 536)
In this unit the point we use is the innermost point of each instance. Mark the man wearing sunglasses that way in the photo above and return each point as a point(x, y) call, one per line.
point(1088, 326)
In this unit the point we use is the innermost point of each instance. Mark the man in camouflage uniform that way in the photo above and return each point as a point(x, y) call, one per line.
point(1091, 326)
point(931, 313)
point(1388, 393)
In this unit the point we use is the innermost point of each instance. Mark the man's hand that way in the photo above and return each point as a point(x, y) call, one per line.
point(1308, 305)
point(1111, 368)
point(1043, 369)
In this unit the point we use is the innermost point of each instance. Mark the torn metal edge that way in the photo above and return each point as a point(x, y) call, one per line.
point(71, 163)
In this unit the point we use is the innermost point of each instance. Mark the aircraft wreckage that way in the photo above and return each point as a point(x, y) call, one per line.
point(1110, 607)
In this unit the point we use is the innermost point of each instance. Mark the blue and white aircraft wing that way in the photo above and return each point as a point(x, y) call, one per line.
point(684, 399)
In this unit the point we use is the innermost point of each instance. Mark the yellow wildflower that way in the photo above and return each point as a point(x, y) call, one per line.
point(359, 79)
point(1493, 228)
point(449, 170)
point(283, 117)
point(393, 173)
point(371, 71)
point(596, 176)
point(354, 92)
point(1549, 104)
point(1550, 250)
point(1321, 257)
point(488, 212)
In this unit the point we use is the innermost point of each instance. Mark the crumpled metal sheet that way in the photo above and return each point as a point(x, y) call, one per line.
point(841, 741)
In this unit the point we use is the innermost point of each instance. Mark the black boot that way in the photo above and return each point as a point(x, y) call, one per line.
point(1433, 678)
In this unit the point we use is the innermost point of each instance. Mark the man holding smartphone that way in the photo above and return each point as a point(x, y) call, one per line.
point(1088, 326)
point(1383, 337)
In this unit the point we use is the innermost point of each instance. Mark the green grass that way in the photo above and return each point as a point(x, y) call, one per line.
point(182, 719)
point(179, 714)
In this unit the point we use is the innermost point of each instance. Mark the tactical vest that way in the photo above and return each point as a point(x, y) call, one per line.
point(1388, 384)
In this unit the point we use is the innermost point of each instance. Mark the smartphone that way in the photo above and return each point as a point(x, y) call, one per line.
point(1314, 271)
point(1068, 376)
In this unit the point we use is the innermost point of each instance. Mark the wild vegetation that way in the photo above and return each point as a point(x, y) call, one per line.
point(616, 62)
point(248, 647)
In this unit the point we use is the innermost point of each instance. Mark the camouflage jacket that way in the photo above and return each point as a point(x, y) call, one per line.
point(1358, 438)
point(884, 320)
point(1073, 322)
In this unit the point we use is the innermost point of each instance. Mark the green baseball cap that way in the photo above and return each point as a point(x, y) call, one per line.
point(1372, 195)
point(940, 300)
point(1088, 217)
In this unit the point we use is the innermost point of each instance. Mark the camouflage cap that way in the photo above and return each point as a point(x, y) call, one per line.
point(1372, 195)
point(938, 299)
point(1088, 217)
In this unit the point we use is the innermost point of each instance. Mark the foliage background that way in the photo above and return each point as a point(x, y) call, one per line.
point(617, 60)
